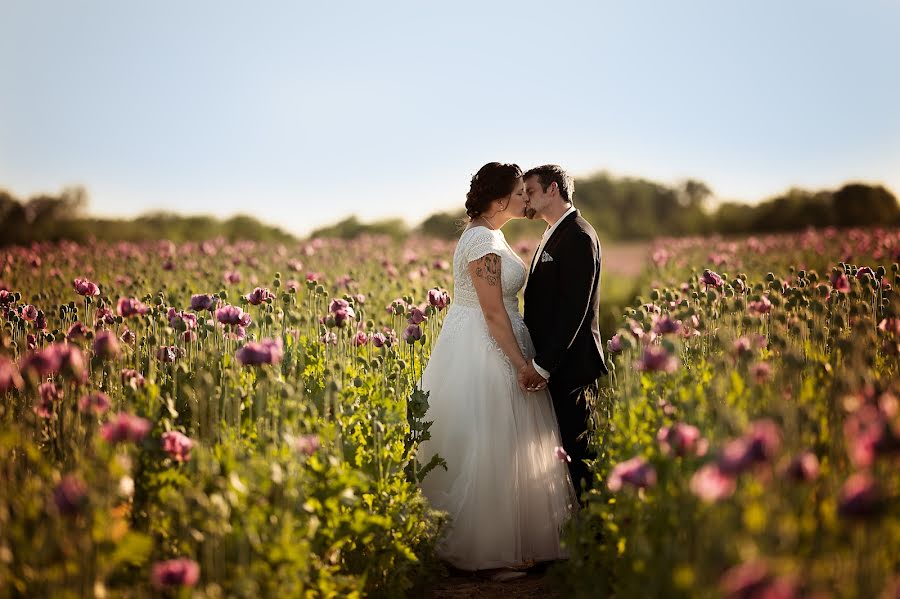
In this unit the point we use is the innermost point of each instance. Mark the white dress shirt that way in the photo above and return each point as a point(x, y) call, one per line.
point(536, 259)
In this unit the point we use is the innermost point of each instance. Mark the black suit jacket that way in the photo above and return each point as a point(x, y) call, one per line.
point(562, 301)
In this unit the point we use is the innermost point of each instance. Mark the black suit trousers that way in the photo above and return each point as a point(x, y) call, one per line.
point(570, 404)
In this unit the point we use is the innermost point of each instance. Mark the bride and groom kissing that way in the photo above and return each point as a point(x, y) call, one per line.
point(508, 392)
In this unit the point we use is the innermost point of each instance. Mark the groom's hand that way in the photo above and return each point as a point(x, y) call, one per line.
point(530, 379)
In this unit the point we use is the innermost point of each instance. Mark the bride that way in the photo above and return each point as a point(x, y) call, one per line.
point(505, 489)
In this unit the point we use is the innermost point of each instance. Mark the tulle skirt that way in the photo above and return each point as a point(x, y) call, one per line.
point(506, 491)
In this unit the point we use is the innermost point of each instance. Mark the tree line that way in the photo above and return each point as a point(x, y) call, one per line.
point(620, 208)
point(635, 208)
point(48, 217)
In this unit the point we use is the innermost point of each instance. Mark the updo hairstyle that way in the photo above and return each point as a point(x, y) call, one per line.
point(492, 181)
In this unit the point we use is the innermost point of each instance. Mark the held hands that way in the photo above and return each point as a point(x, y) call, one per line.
point(530, 379)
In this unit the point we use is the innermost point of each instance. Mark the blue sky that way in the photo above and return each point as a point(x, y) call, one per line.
point(303, 113)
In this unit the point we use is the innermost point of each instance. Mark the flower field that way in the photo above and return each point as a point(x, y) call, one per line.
point(750, 442)
point(216, 419)
point(241, 420)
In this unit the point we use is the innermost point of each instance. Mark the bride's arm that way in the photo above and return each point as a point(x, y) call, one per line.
point(485, 273)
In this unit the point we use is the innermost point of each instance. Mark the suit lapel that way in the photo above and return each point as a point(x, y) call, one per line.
point(551, 242)
point(556, 236)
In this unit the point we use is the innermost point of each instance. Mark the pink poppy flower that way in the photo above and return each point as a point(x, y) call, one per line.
point(106, 345)
point(96, 402)
point(128, 306)
point(637, 472)
point(29, 313)
point(710, 484)
point(412, 333)
point(656, 359)
point(267, 351)
point(804, 467)
point(9, 376)
point(70, 495)
point(132, 378)
point(232, 315)
point(681, 439)
point(125, 427)
point(307, 444)
point(177, 445)
point(175, 573)
point(860, 497)
point(85, 287)
point(259, 295)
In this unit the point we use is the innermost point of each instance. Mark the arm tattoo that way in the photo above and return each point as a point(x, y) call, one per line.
point(489, 269)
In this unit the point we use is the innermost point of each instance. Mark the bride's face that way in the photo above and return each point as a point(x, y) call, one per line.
point(514, 205)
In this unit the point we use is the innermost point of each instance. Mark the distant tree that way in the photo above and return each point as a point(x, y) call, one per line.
point(351, 227)
point(857, 204)
point(48, 217)
point(446, 225)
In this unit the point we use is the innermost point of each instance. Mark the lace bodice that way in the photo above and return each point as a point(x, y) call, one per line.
point(475, 243)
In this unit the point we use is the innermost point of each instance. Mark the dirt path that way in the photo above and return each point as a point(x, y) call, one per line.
point(460, 585)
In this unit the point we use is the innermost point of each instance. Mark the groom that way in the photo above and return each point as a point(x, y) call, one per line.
point(561, 310)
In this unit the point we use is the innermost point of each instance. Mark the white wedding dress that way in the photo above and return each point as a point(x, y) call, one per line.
point(506, 491)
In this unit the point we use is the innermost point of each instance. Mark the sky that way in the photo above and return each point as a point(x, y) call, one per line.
point(303, 113)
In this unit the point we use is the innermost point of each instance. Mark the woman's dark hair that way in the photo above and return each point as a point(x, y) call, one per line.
point(492, 181)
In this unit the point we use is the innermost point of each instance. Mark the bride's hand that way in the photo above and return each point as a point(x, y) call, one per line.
point(530, 379)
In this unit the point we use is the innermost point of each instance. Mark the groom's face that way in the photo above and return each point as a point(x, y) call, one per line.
point(538, 199)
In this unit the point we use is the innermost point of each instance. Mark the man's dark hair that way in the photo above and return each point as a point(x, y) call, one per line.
point(553, 173)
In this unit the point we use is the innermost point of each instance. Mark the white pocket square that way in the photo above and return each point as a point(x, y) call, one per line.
point(545, 257)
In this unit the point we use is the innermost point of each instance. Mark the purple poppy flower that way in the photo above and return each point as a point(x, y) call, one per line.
point(804, 467)
point(614, 345)
point(203, 301)
point(177, 445)
point(666, 325)
point(70, 495)
point(637, 472)
point(656, 359)
point(416, 316)
point(860, 497)
point(761, 372)
point(132, 378)
point(267, 351)
point(85, 287)
point(338, 304)
point(232, 315)
point(754, 581)
point(41, 362)
point(96, 402)
point(9, 376)
point(756, 447)
point(106, 345)
point(761, 306)
point(438, 298)
point(710, 484)
point(561, 454)
point(259, 296)
point(840, 282)
point(76, 331)
point(343, 315)
point(128, 306)
point(125, 427)
point(710, 278)
point(681, 439)
point(307, 444)
point(175, 573)
point(412, 333)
